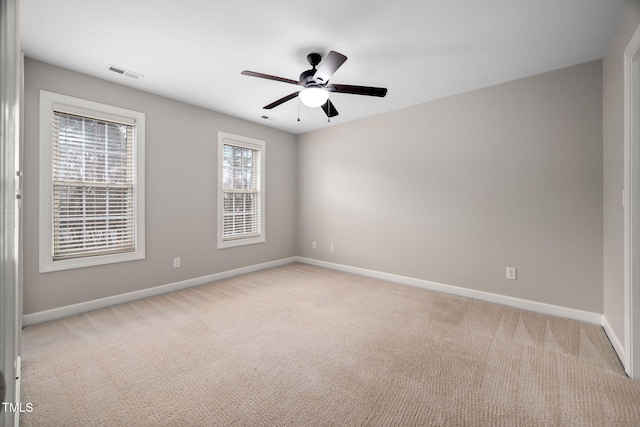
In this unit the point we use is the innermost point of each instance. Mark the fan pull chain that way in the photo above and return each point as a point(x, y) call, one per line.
point(298, 109)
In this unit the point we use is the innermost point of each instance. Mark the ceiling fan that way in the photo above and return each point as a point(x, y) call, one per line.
point(316, 84)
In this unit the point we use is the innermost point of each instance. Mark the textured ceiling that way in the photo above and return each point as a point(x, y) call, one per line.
point(421, 50)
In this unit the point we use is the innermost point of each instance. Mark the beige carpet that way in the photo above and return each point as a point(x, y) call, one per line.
point(300, 345)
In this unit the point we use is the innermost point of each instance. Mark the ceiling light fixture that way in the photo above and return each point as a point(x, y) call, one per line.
point(316, 84)
point(313, 96)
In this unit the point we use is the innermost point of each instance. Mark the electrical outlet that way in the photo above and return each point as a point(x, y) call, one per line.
point(313, 245)
point(332, 247)
point(176, 262)
point(511, 273)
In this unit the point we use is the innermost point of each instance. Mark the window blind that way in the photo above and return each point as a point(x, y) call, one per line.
point(93, 186)
point(241, 192)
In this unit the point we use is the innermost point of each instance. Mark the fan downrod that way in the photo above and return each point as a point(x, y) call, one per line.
point(307, 76)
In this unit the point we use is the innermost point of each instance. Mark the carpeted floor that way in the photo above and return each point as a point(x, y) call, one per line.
point(299, 345)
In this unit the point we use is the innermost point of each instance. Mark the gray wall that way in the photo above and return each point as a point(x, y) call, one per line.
point(455, 190)
point(180, 194)
point(613, 142)
point(451, 191)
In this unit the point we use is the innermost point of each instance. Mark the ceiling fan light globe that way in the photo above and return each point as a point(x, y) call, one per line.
point(313, 97)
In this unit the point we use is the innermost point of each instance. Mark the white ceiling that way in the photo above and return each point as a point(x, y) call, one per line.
point(421, 50)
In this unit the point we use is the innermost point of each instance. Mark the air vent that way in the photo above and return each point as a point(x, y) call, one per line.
point(123, 72)
point(116, 70)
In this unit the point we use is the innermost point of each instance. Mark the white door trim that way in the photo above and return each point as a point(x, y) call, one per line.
point(632, 205)
point(11, 91)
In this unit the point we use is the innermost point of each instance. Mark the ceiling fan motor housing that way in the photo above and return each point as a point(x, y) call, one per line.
point(307, 77)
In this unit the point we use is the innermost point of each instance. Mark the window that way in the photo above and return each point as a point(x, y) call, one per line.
point(91, 183)
point(240, 190)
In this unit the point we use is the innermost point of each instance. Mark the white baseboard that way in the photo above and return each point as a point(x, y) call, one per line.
point(613, 338)
point(539, 307)
point(69, 310)
point(585, 316)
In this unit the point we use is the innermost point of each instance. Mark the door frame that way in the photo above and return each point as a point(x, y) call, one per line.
point(11, 93)
point(632, 206)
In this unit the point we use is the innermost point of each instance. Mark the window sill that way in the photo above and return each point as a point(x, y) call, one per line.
point(223, 244)
point(47, 265)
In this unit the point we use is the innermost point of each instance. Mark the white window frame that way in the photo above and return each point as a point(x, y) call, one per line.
point(49, 101)
point(225, 138)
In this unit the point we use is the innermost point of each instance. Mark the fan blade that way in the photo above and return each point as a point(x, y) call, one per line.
point(269, 77)
point(328, 66)
point(357, 90)
point(329, 109)
point(281, 101)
